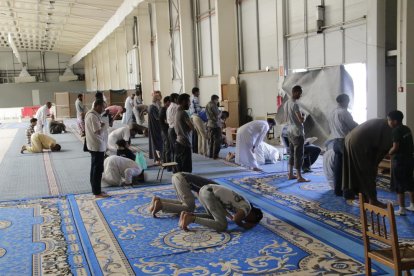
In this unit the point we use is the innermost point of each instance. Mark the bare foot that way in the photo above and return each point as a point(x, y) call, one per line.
point(181, 218)
point(151, 207)
point(156, 207)
point(102, 195)
point(257, 170)
point(23, 149)
point(187, 220)
point(301, 180)
point(291, 176)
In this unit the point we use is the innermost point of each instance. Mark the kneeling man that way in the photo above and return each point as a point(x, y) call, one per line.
point(39, 142)
point(118, 168)
point(218, 202)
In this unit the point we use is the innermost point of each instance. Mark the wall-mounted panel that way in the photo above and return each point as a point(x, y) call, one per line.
point(355, 9)
point(333, 48)
point(51, 60)
point(6, 60)
point(355, 44)
point(34, 60)
point(268, 33)
point(296, 15)
point(316, 51)
point(297, 53)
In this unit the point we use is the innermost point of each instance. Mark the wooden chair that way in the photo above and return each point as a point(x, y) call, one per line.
point(271, 132)
point(163, 166)
point(375, 221)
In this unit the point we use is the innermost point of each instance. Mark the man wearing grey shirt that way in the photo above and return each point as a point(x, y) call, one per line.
point(296, 134)
point(214, 126)
point(183, 128)
point(340, 124)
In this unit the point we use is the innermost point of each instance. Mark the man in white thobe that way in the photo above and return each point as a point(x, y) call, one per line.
point(119, 170)
point(249, 137)
point(129, 107)
point(122, 133)
point(41, 116)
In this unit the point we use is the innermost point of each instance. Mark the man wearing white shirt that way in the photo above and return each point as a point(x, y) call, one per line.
point(122, 133)
point(139, 109)
point(96, 141)
point(171, 116)
point(129, 107)
point(41, 116)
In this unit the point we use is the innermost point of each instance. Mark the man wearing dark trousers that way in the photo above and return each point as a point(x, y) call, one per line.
point(183, 127)
point(171, 112)
point(96, 133)
point(166, 155)
point(214, 126)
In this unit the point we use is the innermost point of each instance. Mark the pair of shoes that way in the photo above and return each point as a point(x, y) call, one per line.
point(400, 212)
point(410, 208)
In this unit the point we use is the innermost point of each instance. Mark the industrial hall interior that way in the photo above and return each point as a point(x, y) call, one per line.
point(206, 137)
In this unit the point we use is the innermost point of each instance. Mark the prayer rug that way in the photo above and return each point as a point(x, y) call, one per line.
point(79, 235)
point(316, 201)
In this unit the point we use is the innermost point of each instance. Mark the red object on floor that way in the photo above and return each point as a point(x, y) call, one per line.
point(29, 111)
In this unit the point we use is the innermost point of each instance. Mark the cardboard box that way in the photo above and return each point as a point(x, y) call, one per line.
point(233, 107)
point(65, 104)
point(230, 92)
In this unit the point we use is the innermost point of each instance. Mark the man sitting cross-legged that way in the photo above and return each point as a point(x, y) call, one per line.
point(218, 202)
point(184, 184)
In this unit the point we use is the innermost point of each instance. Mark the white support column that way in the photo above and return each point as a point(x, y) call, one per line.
point(144, 38)
point(405, 60)
point(121, 56)
point(281, 42)
point(113, 61)
point(98, 58)
point(106, 66)
point(227, 40)
point(376, 59)
point(162, 26)
point(189, 70)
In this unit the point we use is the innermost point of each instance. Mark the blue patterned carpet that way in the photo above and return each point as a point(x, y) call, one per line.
point(316, 201)
point(79, 235)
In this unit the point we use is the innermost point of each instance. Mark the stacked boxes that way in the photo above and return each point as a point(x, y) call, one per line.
point(231, 103)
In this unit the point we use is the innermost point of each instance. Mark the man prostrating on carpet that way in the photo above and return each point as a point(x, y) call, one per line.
point(184, 185)
point(218, 202)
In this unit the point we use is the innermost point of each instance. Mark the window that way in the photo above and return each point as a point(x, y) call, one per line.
point(175, 44)
point(257, 30)
point(206, 23)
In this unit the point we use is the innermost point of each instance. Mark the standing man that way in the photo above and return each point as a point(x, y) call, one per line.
point(139, 108)
point(80, 114)
point(202, 137)
point(296, 134)
point(154, 127)
point(214, 126)
point(166, 154)
point(340, 124)
point(41, 116)
point(365, 147)
point(249, 136)
point(129, 107)
point(195, 108)
point(96, 134)
point(183, 127)
point(171, 112)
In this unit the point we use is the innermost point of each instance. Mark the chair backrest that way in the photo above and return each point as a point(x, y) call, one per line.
point(379, 224)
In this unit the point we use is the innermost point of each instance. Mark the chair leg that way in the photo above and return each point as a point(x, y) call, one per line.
point(368, 271)
point(158, 175)
point(162, 172)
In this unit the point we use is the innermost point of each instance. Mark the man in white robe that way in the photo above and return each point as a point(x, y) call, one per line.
point(129, 107)
point(249, 137)
point(266, 154)
point(119, 171)
point(122, 133)
point(41, 116)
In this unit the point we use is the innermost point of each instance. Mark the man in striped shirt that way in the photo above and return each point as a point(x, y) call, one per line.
point(31, 129)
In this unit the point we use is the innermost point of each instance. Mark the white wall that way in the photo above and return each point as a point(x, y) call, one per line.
point(208, 86)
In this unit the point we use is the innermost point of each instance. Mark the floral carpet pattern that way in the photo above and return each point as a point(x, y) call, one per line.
point(315, 200)
point(79, 235)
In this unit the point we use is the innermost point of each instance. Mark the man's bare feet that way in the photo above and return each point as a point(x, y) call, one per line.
point(23, 149)
point(301, 180)
point(186, 220)
point(257, 170)
point(291, 176)
point(181, 218)
point(102, 195)
point(156, 207)
point(151, 207)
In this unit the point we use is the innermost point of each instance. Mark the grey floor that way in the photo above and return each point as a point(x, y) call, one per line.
point(24, 176)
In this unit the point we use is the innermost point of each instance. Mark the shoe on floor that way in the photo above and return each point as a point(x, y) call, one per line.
point(400, 212)
point(410, 208)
